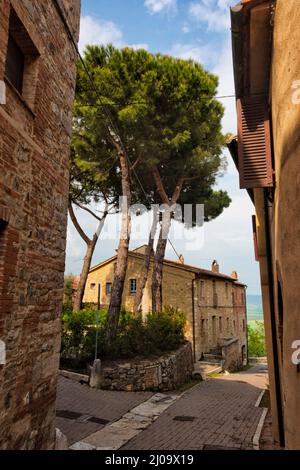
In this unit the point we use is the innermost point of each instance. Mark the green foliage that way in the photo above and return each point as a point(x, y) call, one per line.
point(68, 290)
point(256, 339)
point(159, 333)
point(164, 111)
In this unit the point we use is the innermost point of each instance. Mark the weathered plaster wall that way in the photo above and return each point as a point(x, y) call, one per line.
point(34, 177)
point(285, 216)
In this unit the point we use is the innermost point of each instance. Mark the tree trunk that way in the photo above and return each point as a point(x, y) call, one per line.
point(147, 258)
point(157, 276)
point(121, 264)
point(91, 245)
point(84, 273)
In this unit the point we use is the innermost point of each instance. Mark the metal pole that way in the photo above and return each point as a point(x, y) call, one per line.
point(97, 321)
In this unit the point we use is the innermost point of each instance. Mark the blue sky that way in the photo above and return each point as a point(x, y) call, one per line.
point(200, 30)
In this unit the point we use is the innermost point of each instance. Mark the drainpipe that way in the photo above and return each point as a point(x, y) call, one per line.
point(273, 322)
point(193, 312)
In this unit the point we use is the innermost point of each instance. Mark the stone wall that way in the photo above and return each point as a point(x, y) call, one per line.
point(220, 312)
point(211, 321)
point(232, 355)
point(35, 126)
point(167, 372)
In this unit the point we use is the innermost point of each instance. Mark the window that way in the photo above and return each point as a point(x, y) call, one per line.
point(15, 64)
point(255, 155)
point(21, 59)
point(201, 290)
point(108, 288)
point(202, 327)
point(93, 286)
point(227, 325)
point(132, 286)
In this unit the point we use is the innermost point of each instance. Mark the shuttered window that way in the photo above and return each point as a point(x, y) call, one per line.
point(255, 161)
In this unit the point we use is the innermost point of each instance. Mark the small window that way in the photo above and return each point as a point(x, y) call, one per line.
point(108, 288)
point(201, 290)
point(93, 286)
point(132, 286)
point(220, 324)
point(227, 324)
point(202, 326)
point(21, 67)
point(14, 64)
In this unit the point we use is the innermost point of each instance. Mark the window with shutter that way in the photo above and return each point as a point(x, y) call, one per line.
point(255, 158)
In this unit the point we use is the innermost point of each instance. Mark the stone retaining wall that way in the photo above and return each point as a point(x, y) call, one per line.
point(165, 373)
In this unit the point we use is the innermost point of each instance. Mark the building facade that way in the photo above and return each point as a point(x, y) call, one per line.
point(214, 303)
point(37, 76)
point(266, 55)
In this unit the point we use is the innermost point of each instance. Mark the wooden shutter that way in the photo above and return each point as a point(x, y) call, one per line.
point(254, 145)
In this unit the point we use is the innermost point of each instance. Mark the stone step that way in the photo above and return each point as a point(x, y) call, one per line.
point(214, 358)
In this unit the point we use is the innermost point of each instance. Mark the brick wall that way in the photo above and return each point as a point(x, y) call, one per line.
point(34, 170)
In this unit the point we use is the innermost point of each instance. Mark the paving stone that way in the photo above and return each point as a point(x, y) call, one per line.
point(104, 405)
point(224, 411)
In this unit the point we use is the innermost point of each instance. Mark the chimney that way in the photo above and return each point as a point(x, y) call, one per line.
point(181, 259)
point(234, 275)
point(215, 267)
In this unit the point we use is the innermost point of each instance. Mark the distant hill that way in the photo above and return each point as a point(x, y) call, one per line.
point(254, 307)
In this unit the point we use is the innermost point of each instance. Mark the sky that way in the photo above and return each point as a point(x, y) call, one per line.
point(200, 30)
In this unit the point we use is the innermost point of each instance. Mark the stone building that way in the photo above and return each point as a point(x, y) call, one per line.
point(266, 55)
point(37, 76)
point(214, 303)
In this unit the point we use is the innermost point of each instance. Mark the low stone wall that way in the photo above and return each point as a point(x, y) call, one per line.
point(231, 354)
point(165, 373)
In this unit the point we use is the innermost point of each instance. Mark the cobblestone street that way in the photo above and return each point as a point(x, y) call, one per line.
point(218, 413)
point(82, 411)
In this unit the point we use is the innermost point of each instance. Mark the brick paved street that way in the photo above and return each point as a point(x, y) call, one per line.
point(85, 403)
point(219, 413)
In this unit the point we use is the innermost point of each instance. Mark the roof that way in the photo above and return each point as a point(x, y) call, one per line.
point(175, 264)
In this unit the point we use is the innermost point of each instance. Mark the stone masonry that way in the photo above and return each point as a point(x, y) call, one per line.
point(167, 372)
point(35, 127)
point(214, 303)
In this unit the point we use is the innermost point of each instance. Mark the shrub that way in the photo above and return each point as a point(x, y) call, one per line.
point(256, 339)
point(159, 333)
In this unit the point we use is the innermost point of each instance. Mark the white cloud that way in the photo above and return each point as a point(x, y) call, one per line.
point(157, 6)
point(214, 13)
point(98, 32)
point(204, 54)
point(185, 29)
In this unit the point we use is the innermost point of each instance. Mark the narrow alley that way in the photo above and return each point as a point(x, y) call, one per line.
point(220, 413)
